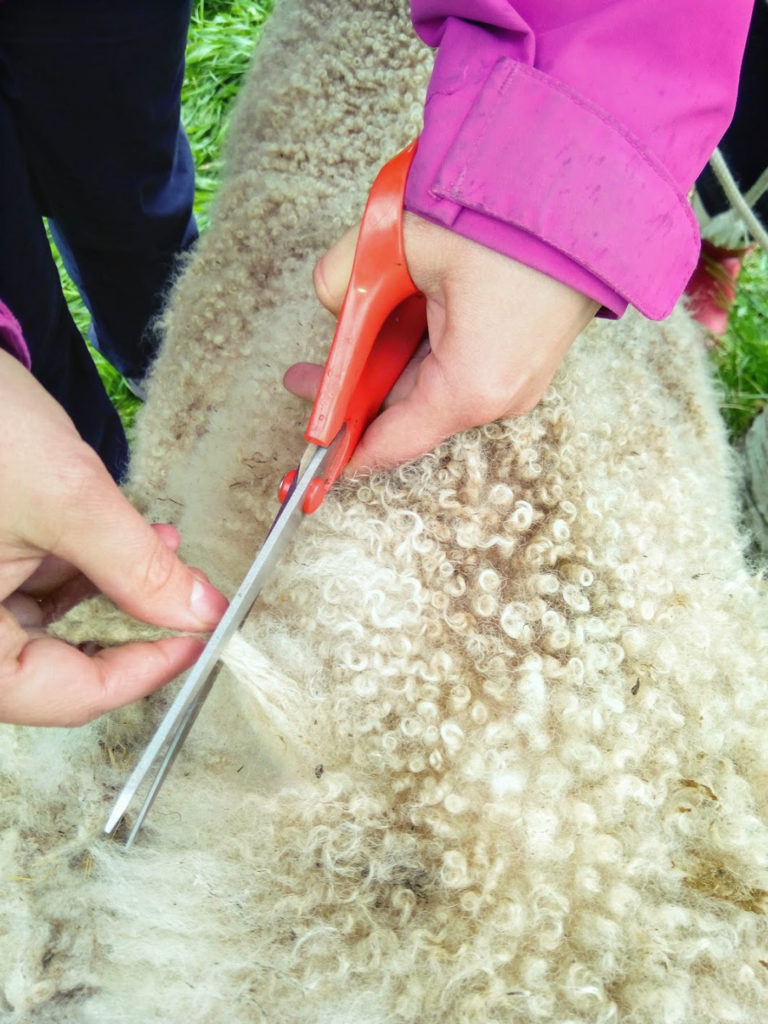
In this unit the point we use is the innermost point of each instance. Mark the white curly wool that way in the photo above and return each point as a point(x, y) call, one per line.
point(492, 746)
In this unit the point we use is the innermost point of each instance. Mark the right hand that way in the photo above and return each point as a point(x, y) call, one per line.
point(66, 530)
point(466, 376)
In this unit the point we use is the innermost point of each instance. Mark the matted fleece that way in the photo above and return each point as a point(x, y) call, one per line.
point(493, 744)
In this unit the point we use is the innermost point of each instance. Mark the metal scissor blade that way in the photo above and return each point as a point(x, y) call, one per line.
point(183, 711)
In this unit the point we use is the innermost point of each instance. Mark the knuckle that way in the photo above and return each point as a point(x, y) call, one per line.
point(462, 401)
point(157, 572)
point(493, 400)
point(83, 716)
point(81, 469)
point(527, 404)
point(72, 486)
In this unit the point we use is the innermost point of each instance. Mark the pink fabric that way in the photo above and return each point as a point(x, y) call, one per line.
point(567, 133)
point(11, 338)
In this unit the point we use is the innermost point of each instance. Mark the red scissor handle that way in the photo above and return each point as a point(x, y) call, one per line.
point(382, 321)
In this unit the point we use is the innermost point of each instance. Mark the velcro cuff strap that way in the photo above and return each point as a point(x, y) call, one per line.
point(565, 171)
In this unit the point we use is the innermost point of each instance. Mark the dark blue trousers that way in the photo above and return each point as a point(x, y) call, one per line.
point(91, 139)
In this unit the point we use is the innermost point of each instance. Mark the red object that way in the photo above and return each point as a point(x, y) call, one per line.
point(712, 287)
point(382, 320)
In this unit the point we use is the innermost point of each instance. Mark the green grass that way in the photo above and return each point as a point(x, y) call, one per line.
point(222, 36)
point(221, 41)
point(741, 358)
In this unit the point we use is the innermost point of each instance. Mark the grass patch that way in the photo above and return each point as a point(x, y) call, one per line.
point(741, 358)
point(222, 36)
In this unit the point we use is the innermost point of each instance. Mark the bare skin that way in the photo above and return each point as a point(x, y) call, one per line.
point(67, 531)
point(463, 377)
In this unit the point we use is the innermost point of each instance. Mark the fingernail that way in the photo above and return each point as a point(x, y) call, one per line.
point(207, 603)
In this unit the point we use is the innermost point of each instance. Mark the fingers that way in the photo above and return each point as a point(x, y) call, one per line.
point(424, 408)
point(50, 574)
point(50, 683)
point(124, 557)
point(43, 681)
point(498, 330)
point(25, 610)
point(303, 380)
point(59, 499)
point(57, 586)
point(400, 434)
point(333, 270)
point(415, 419)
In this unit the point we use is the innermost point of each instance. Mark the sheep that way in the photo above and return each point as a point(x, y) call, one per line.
point(491, 745)
point(755, 485)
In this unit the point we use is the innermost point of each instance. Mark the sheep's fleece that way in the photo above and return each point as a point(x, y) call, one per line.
point(493, 746)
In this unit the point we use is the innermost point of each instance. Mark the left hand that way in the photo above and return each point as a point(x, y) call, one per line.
point(498, 330)
point(66, 530)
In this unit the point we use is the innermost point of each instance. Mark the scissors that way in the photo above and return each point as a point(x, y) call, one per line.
point(382, 321)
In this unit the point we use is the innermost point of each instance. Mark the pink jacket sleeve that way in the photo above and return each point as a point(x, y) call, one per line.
point(567, 133)
point(11, 338)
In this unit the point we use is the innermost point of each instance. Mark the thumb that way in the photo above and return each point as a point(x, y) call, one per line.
point(132, 563)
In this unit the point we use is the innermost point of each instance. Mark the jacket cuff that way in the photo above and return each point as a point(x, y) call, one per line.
point(11, 338)
point(538, 172)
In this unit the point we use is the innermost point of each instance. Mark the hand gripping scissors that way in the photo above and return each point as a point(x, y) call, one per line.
point(382, 321)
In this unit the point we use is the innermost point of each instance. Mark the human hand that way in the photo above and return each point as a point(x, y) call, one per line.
point(67, 531)
point(498, 330)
